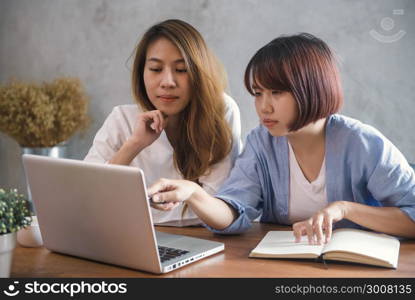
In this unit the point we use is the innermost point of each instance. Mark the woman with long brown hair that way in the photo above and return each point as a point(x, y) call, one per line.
point(184, 126)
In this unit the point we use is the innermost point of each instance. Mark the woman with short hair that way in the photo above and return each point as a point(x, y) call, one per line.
point(305, 164)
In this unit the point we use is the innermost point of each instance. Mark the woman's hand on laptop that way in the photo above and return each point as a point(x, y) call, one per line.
point(212, 211)
point(166, 194)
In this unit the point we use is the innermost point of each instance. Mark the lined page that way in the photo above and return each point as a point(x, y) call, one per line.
point(282, 244)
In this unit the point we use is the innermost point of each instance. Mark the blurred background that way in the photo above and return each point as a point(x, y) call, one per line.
point(94, 39)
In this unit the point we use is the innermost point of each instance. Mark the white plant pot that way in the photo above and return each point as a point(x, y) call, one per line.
point(7, 245)
point(30, 236)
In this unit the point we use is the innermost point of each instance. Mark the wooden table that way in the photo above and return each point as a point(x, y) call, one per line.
point(233, 262)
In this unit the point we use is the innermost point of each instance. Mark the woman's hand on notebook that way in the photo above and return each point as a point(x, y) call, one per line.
point(320, 224)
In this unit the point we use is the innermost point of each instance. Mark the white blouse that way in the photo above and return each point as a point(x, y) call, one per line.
point(156, 160)
point(306, 198)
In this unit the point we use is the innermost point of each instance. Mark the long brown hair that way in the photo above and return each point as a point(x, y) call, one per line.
point(207, 137)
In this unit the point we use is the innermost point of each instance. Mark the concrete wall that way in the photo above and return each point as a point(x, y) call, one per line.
point(92, 40)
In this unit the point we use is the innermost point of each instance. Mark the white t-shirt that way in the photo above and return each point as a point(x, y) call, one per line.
point(306, 198)
point(156, 160)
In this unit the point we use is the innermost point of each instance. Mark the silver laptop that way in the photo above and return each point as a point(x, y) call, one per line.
point(101, 212)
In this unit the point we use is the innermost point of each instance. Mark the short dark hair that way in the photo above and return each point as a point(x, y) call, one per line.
point(303, 65)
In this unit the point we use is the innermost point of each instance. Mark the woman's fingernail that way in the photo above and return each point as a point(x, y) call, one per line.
point(156, 198)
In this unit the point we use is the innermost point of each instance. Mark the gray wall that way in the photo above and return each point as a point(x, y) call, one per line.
point(44, 39)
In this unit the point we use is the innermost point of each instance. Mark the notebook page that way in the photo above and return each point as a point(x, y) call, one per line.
point(282, 243)
point(380, 246)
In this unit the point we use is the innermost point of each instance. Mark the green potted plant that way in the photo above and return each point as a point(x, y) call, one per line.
point(14, 215)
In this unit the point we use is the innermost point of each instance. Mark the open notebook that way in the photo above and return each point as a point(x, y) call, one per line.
point(350, 245)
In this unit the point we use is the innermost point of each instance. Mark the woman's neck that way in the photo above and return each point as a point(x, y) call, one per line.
point(309, 148)
point(171, 128)
point(172, 122)
point(308, 138)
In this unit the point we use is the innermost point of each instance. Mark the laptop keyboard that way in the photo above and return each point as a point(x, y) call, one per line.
point(167, 253)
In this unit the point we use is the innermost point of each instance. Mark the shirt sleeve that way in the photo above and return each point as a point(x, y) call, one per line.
point(109, 138)
point(233, 116)
point(391, 179)
point(242, 190)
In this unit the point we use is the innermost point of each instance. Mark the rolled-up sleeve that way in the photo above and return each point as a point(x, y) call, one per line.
point(242, 190)
point(392, 179)
point(108, 139)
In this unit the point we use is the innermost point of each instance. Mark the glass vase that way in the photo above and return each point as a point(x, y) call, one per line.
point(31, 236)
point(58, 151)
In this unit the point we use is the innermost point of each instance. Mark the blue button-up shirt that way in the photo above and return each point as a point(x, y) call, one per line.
point(361, 166)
